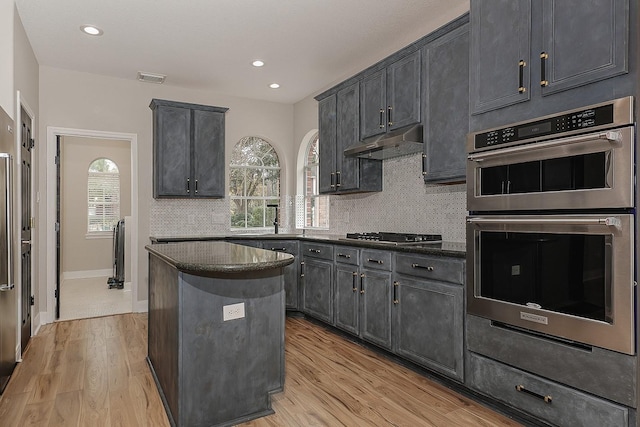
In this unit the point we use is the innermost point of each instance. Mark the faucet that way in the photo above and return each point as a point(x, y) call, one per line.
point(275, 221)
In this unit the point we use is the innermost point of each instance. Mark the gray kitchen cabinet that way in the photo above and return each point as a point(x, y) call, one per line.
point(317, 281)
point(375, 297)
point(546, 400)
point(390, 98)
point(521, 51)
point(188, 150)
point(291, 272)
point(347, 289)
point(428, 318)
point(339, 121)
point(446, 106)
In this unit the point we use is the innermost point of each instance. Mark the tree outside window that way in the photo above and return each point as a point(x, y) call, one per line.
point(103, 196)
point(254, 183)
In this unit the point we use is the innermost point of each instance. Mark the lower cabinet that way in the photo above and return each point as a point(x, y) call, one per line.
point(317, 281)
point(428, 324)
point(375, 307)
point(347, 296)
point(544, 399)
point(428, 318)
point(291, 271)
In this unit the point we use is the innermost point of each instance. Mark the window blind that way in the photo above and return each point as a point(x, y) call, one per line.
point(103, 201)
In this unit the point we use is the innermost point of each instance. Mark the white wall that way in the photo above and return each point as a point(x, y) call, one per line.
point(86, 101)
point(6, 56)
point(80, 253)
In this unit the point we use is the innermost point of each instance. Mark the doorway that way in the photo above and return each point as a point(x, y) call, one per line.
point(80, 272)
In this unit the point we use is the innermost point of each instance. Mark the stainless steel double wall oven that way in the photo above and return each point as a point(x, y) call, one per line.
point(550, 236)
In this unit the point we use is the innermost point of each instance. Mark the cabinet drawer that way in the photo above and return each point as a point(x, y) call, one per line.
point(346, 255)
point(436, 268)
point(379, 260)
point(288, 247)
point(317, 250)
point(542, 398)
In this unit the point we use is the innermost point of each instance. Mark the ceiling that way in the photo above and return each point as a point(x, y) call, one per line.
point(307, 45)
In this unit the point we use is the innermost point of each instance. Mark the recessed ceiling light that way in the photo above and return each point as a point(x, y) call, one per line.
point(151, 77)
point(91, 30)
point(274, 85)
point(257, 63)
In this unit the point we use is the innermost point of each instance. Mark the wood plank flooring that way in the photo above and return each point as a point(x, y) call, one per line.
point(92, 372)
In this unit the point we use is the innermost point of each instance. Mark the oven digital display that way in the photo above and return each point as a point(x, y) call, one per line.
point(537, 129)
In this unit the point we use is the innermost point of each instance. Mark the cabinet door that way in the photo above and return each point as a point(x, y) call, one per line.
point(317, 295)
point(375, 314)
point(585, 41)
point(208, 154)
point(172, 151)
point(347, 134)
point(500, 39)
point(327, 143)
point(346, 302)
point(373, 104)
point(403, 92)
point(290, 271)
point(446, 100)
point(429, 326)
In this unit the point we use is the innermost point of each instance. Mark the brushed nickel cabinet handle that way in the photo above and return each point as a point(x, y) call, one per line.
point(344, 256)
point(188, 185)
point(395, 292)
point(375, 261)
point(355, 286)
point(315, 251)
point(362, 283)
point(428, 268)
point(389, 115)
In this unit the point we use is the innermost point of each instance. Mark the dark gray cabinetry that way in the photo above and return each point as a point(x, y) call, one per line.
point(546, 400)
point(375, 297)
point(347, 288)
point(429, 311)
point(500, 52)
point(446, 106)
point(317, 280)
point(390, 98)
point(339, 121)
point(523, 51)
point(188, 150)
point(291, 272)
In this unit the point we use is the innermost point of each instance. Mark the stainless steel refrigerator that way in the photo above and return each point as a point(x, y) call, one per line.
point(8, 294)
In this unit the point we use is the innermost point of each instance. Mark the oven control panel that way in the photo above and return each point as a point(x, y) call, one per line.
point(552, 125)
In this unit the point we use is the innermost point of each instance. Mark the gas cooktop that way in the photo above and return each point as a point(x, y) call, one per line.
point(396, 238)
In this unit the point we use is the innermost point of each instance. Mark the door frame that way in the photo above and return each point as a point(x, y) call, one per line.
point(21, 103)
point(52, 134)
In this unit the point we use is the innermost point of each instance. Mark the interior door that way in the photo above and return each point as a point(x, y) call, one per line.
point(26, 145)
point(58, 254)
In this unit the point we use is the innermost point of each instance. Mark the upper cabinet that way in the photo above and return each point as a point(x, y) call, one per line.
point(446, 106)
point(390, 98)
point(520, 50)
point(339, 119)
point(188, 150)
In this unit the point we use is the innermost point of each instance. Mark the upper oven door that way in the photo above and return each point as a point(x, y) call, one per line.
point(587, 171)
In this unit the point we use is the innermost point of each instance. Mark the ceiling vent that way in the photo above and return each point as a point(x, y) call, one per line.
point(151, 78)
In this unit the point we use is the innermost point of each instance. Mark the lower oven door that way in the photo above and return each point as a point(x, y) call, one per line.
point(569, 276)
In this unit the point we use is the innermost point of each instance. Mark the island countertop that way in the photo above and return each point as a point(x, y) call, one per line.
point(201, 258)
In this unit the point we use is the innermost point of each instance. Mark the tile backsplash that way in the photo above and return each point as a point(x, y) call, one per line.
point(406, 204)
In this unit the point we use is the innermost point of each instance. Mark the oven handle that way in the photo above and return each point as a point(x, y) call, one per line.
point(612, 136)
point(610, 221)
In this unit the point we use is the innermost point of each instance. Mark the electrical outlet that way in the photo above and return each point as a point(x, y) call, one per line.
point(233, 311)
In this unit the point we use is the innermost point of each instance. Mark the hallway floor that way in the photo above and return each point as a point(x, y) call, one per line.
point(91, 297)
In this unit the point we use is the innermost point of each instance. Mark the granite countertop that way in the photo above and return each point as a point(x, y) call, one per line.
point(202, 257)
point(450, 249)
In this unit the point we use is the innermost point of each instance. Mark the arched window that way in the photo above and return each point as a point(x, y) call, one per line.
point(316, 207)
point(103, 196)
point(254, 183)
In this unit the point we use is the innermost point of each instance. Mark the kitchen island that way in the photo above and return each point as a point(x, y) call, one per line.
point(216, 330)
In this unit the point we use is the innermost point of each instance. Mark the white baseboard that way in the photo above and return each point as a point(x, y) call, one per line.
point(141, 306)
point(86, 274)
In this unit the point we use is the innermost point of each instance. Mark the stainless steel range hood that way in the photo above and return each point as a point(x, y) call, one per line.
point(396, 143)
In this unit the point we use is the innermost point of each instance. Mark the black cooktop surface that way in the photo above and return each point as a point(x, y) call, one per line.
point(398, 238)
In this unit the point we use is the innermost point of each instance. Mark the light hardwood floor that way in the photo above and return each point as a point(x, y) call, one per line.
point(92, 372)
